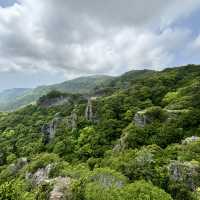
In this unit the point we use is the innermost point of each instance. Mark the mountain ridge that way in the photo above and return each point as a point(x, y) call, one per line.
point(27, 96)
point(84, 85)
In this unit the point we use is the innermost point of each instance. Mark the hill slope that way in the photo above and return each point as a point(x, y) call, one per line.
point(141, 140)
point(15, 98)
point(6, 95)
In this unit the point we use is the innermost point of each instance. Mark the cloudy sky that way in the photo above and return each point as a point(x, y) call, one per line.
point(48, 41)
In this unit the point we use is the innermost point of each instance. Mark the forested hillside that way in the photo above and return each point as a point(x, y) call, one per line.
point(136, 137)
point(13, 99)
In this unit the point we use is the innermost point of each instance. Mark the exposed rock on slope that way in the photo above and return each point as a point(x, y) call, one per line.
point(57, 101)
point(140, 119)
point(61, 189)
point(40, 176)
point(20, 163)
point(16, 98)
point(72, 120)
point(61, 185)
point(156, 113)
point(191, 139)
point(186, 172)
point(49, 130)
point(89, 112)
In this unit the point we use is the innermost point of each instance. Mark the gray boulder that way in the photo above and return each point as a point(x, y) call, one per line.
point(61, 189)
point(40, 176)
point(190, 140)
point(141, 119)
point(185, 172)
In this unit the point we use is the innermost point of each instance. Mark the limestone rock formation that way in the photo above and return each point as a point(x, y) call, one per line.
point(49, 130)
point(61, 189)
point(20, 163)
point(185, 172)
point(191, 139)
point(72, 120)
point(140, 119)
point(51, 102)
point(89, 111)
point(155, 113)
point(40, 176)
point(61, 186)
point(121, 145)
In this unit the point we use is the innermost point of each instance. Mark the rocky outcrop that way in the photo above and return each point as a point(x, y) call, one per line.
point(191, 140)
point(20, 163)
point(49, 130)
point(89, 111)
point(121, 145)
point(185, 172)
point(72, 120)
point(51, 102)
point(140, 119)
point(40, 176)
point(61, 185)
point(156, 113)
point(61, 189)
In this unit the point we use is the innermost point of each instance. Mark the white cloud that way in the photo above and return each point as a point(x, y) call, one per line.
point(92, 36)
point(178, 9)
point(196, 43)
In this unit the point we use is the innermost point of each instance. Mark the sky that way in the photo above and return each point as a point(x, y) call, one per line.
point(49, 41)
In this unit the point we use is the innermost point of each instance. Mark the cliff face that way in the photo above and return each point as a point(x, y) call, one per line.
point(156, 114)
point(49, 130)
point(185, 172)
point(89, 111)
point(19, 97)
point(57, 101)
point(61, 189)
point(150, 115)
point(72, 120)
point(140, 119)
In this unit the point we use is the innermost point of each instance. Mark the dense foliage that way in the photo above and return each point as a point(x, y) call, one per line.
point(138, 139)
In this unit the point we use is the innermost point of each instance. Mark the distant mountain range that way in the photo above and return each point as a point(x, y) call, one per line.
point(13, 99)
point(91, 85)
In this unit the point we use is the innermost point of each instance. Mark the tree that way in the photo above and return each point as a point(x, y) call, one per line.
point(134, 136)
point(141, 190)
